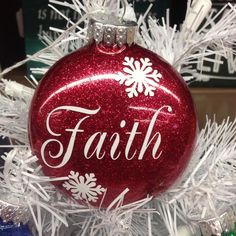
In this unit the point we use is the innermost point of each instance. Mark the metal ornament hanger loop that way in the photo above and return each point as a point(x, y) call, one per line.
point(123, 4)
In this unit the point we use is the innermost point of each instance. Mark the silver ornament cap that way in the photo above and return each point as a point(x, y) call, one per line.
point(12, 210)
point(111, 30)
point(216, 226)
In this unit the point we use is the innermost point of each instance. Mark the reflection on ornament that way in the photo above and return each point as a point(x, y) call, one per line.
point(112, 116)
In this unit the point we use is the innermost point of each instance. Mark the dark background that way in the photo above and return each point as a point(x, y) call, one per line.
point(11, 43)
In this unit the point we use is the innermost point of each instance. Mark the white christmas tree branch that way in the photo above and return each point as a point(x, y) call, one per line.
point(208, 186)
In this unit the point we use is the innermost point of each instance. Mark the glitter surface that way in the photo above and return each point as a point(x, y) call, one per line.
point(142, 143)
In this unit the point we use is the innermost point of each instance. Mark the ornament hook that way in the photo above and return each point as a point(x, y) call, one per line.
point(123, 4)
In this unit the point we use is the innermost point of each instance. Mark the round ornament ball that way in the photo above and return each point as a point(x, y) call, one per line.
point(111, 116)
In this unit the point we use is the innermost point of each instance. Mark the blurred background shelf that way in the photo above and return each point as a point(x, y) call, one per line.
point(214, 102)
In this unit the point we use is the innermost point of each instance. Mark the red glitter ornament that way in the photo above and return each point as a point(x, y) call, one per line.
point(112, 116)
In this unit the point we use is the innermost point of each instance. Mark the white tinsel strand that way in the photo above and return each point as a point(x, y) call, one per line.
point(184, 48)
point(208, 187)
point(170, 217)
point(14, 105)
point(21, 179)
point(127, 220)
point(52, 211)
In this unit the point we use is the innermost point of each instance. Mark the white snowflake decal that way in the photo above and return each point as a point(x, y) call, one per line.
point(83, 188)
point(139, 77)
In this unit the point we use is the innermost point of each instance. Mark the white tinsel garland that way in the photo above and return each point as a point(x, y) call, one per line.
point(13, 112)
point(208, 187)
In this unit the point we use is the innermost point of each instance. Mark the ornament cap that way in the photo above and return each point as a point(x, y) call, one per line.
point(111, 30)
point(217, 226)
point(12, 210)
